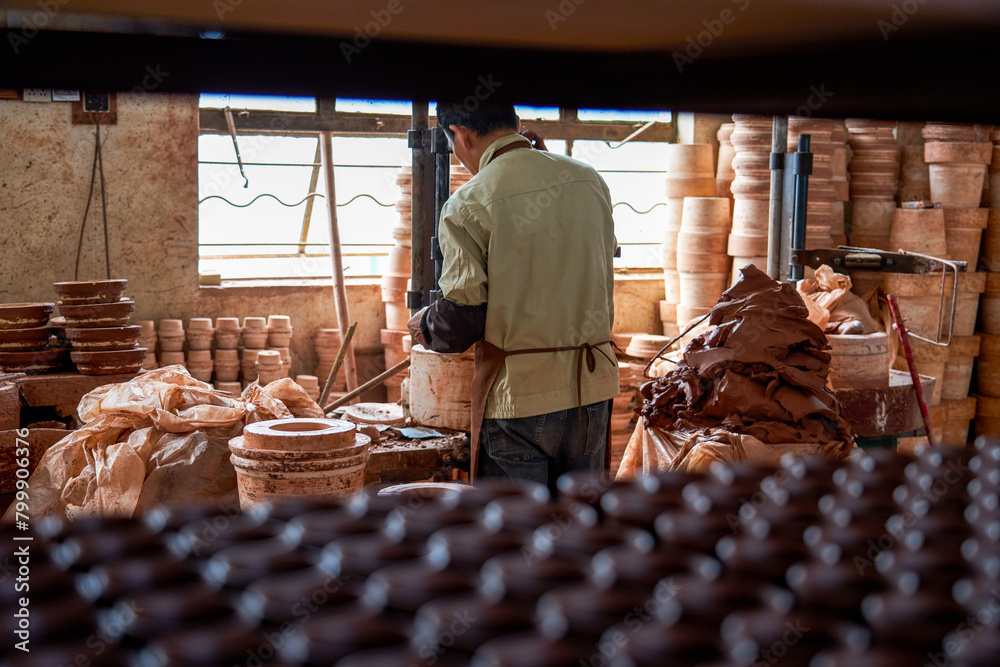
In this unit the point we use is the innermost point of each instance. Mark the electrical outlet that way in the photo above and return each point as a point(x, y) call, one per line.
point(37, 95)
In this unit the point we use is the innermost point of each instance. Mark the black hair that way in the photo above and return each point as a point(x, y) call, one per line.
point(482, 119)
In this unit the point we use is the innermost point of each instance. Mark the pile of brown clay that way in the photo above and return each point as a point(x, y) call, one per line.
point(761, 371)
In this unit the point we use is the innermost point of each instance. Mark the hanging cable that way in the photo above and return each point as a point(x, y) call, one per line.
point(90, 196)
point(104, 200)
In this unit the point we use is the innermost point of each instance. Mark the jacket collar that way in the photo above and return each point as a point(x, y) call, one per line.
point(497, 147)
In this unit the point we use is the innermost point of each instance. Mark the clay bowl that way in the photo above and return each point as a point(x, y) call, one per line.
point(24, 315)
point(109, 362)
point(97, 314)
point(90, 291)
point(38, 361)
point(97, 339)
point(24, 340)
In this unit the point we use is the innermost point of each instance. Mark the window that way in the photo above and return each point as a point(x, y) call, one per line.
point(277, 227)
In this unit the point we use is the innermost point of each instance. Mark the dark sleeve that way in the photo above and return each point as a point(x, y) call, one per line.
point(450, 328)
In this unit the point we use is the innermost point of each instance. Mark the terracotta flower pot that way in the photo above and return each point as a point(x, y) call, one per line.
point(919, 230)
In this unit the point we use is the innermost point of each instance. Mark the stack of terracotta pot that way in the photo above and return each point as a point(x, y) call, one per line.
point(395, 352)
point(703, 265)
point(841, 190)
point(821, 214)
point(724, 173)
point(751, 187)
point(327, 344)
point(147, 339)
point(914, 178)
point(623, 413)
point(397, 270)
point(874, 178)
point(988, 364)
point(690, 173)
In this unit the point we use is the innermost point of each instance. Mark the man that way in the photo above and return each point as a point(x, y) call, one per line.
point(528, 246)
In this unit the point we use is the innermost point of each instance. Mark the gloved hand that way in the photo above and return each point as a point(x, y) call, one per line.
point(414, 327)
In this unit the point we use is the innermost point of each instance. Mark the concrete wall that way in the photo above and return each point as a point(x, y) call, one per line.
point(150, 170)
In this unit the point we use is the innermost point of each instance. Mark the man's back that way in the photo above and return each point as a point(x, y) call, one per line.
point(537, 240)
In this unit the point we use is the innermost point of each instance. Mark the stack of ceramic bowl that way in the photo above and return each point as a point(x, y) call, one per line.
point(147, 339)
point(327, 344)
point(702, 262)
point(690, 173)
point(751, 188)
point(96, 316)
point(821, 216)
point(24, 339)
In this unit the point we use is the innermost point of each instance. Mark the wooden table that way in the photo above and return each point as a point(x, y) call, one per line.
point(60, 391)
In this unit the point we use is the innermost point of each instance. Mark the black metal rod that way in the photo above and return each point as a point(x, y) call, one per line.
point(442, 190)
point(802, 171)
point(418, 249)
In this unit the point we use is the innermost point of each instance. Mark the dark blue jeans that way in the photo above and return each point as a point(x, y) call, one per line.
point(542, 447)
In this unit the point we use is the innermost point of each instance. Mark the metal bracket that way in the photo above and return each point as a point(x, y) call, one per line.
point(436, 253)
point(845, 258)
point(415, 138)
point(414, 300)
point(439, 141)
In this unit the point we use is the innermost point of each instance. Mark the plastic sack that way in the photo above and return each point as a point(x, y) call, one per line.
point(652, 450)
point(161, 438)
point(830, 295)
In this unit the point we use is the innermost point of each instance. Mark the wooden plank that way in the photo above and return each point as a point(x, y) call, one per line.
point(39, 441)
point(64, 389)
point(10, 406)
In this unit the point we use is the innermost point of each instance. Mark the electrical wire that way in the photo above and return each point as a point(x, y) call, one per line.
point(97, 169)
point(86, 210)
point(311, 194)
point(104, 201)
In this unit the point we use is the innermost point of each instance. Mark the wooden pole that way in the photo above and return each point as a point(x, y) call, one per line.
point(371, 384)
point(339, 289)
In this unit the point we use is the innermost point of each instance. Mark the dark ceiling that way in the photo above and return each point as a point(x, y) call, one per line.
point(916, 59)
